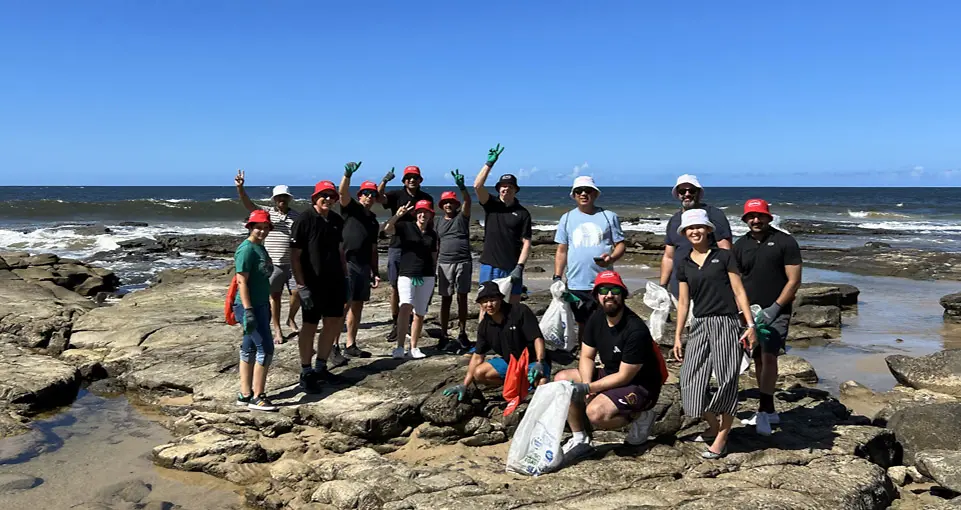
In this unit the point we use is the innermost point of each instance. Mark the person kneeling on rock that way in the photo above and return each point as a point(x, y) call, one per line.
point(507, 329)
point(252, 309)
point(628, 385)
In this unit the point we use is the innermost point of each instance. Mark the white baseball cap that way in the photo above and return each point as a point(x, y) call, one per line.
point(693, 217)
point(584, 181)
point(686, 179)
point(281, 190)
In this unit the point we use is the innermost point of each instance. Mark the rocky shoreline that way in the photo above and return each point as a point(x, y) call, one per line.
point(387, 437)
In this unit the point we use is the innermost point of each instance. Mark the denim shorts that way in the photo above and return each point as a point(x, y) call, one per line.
point(488, 273)
point(259, 344)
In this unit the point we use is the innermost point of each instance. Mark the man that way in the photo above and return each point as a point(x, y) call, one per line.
point(278, 248)
point(689, 192)
point(629, 384)
point(410, 194)
point(589, 239)
point(507, 228)
point(361, 229)
point(770, 264)
point(320, 268)
point(507, 329)
point(454, 266)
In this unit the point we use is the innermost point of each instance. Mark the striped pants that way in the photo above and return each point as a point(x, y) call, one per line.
point(712, 348)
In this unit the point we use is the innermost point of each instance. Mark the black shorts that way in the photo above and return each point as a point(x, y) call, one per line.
point(587, 306)
point(329, 300)
point(358, 276)
point(776, 340)
point(630, 399)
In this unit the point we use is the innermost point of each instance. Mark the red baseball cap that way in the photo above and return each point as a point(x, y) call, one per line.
point(609, 278)
point(367, 186)
point(258, 216)
point(321, 187)
point(756, 205)
point(412, 170)
point(448, 195)
point(425, 205)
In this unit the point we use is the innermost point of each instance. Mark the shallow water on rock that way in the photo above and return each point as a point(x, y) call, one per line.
point(98, 451)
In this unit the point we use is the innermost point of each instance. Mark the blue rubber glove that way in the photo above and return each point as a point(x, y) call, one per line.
point(518, 273)
point(250, 322)
point(417, 281)
point(770, 313)
point(581, 390)
point(389, 176)
point(460, 390)
point(306, 302)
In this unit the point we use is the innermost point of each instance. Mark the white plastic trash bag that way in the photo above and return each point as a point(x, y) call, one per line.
point(536, 446)
point(504, 285)
point(658, 299)
point(558, 325)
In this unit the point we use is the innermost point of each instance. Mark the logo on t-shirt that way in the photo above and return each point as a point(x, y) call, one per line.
point(617, 349)
point(770, 243)
point(587, 235)
point(715, 261)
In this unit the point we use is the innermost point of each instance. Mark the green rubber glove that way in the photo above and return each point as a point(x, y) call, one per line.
point(351, 168)
point(458, 179)
point(460, 390)
point(536, 372)
point(493, 154)
point(570, 298)
point(417, 281)
point(389, 176)
point(762, 327)
point(250, 322)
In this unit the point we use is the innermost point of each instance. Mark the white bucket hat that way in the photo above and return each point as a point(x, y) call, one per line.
point(584, 181)
point(281, 190)
point(693, 217)
point(686, 179)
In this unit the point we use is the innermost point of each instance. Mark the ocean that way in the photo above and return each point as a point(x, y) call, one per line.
point(78, 221)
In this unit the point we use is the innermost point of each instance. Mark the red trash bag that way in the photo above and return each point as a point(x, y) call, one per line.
point(515, 382)
point(229, 302)
point(661, 364)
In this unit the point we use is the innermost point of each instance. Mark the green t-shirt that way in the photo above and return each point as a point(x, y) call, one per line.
point(252, 258)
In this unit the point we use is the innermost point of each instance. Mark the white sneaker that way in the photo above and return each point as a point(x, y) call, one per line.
point(416, 354)
point(399, 353)
point(640, 428)
point(772, 418)
point(762, 425)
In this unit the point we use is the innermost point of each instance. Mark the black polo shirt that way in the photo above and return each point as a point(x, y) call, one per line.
point(710, 284)
point(761, 264)
point(360, 232)
point(416, 249)
point(682, 247)
point(629, 341)
point(504, 228)
point(398, 198)
point(319, 240)
point(517, 332)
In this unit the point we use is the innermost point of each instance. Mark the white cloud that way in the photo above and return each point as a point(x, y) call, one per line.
point(577, 170)
point(950, 174)
point(917, 171)
point(524, 172)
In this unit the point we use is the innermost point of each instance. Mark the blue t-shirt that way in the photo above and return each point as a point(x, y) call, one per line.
point(587, 236)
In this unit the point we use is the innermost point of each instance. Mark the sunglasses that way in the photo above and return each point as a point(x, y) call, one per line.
point(583, 191)
point(368, 193)
point(328, 196)
point(609, 289)
point(687, 191)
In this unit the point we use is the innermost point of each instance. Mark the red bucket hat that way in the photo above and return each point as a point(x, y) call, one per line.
point(321, 187)
point(448, 195)
point(425, 205)
point(367, 186)
point(412, 170)
point(756, 205)
point(609, 278)
point(258, 216)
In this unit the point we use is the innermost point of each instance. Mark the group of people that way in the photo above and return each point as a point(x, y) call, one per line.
point(328, 262)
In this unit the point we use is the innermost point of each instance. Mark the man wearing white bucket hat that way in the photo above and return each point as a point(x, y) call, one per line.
point(278, 248)
point(589, 240)
point(689, 192)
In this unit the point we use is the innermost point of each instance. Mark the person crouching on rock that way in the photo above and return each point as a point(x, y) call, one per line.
point(708, 275)
point(252, 308)
point(507, 329)
point(626, 389)
point(415, 280)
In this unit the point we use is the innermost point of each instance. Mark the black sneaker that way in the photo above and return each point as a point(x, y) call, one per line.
point(261, 404)
point(443, 342)
point(309, 382)
point(326, 376)
point(242, 401)
point(336, 359)
point(392, 336)
point(354, 352)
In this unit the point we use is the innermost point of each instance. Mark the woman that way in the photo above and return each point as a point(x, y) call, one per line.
point(418, 262)
point(252, 310)
point(709, 277)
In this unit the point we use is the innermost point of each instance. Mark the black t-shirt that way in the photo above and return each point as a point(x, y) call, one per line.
point(761, 264)
point(319, 240)
point(682, 247)
point(504, 228)
point(360, 232)
point(629, 341)
point(398, 198)
point(416, 249)
point(710, 284)
point(517, 332)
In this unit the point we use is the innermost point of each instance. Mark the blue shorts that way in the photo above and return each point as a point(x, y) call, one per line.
point(500, 365)
point(488, 273)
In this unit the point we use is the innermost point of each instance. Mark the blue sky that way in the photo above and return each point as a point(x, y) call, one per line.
point(772, 93)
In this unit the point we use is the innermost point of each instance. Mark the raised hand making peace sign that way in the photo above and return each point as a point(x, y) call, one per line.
point(239, 179)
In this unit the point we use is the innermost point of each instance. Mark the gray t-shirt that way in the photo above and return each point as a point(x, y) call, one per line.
point(454, 239)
